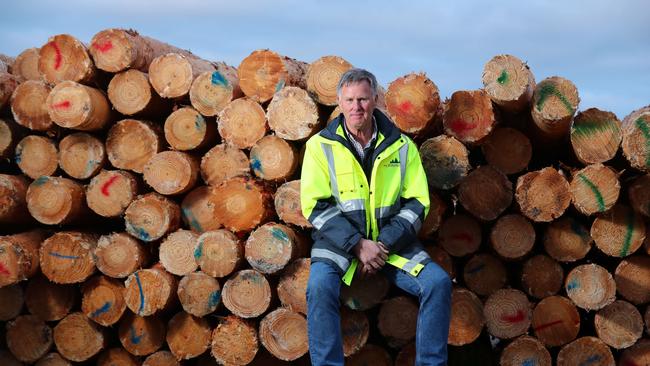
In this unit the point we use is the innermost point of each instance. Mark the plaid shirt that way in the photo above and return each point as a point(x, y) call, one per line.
point(361, 150)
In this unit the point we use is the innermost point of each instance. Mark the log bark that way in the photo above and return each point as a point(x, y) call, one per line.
point(543, 195)
point(6, 63)
point(590, 286)
point(512, 237)
point(638, 354)
point(441, 258)
point(219, 253)
point(223, 162)
point(242, 204)
point(287, 204)
point(270, 247)
point(370, 354)
point(49, 301)
point(37, 156)
point(397, 320)
point(77, 338)
point(365, 292)
point(186, 129)
point(445, 161)
point(131, 94)
point(507, 313)
point(567, 240)
point(78, 107)
point(26, 65)
point(211, 91)
point(467, 319)
point(151, 216)
point(485, 193)
point(161, 358)
point(508, 150)
point(633, 279)
point(188, 336)
point(525, 349)
point(116, 356)
point(8, 84)
point(618, 232)
point(19, 256)
point(556, 321)
point(66, 257)
point(242, 122)
point(103, 300)
point(583, 351)
point(460, 235)
point(13, 203)
point(406, 355)
point(234, 341)
point(176, 252)
point(284, 334)
point(323, 77)
point(639, 195)
point(595, 136)
point(56, 200)
point(125, 152)
point(484, 274)
point(264, 72)
point(509, 82)
point(28, 338)
point(141, 335)
point(542, 276)
point(172, 74)
point(149, 291)
point(247, 294)
point(468, 116)
point(619, 324)
point(594, 189)
point(171, 172)
point(555, 101)
point(199, 293)
point(292, 286)
point(81, 155)
point(198, 210)
point(273, 159)
point(29, 107)
point(110, 192)
point(10, 134)
point(355, 329)
point(292, 114)
point(413, 103)
point(118, 255)
point(12, 300)
point(636, 139)
point(64, 57)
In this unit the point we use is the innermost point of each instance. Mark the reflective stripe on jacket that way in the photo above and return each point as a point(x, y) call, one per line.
point(343, 206)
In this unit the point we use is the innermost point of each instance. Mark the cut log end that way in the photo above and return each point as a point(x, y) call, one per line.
point(485, 193)
point(76, 106)
point(28, 105)
point(619, 324)
point(543, 195)
point(188, 336)
point(81, 155)
point(151, 216)
point(509, 82)
point(125, 152)
point(234, 341)
point(512, 237)
point(36, 156)
point(445, 161)
point(77, 338)
point(270, 247)
point(556, 321)
point(247, 294)
point(585, 350)
point(590, 286)
point(118, 255)
point(292, 114)
point(542, 276)
point(292, 287)
point(397, 320)
point(284, 334)
point(636, 139)
point(66, 257)
point(507, 313)
point(484, 274)
point(594, 189)
point(467, 318)
point(508, 150)
point(56, 200)
point(595, 136)
point(242, 204)
point(103, 300)
point(141, 336)
point(242, 122)
point(526, 349)
point(28, 338)
point(555, 101)
point(273, 159)
point(468, 116)
point(460, 235)
point(413, 101)
point(177, 250)
point(264, 72)
point(287, 204)
point(149, 291)
point(187, 129)
point(619, 232)
point(199, 293)
point(219, 253)
point(64, 57)
point(223, 162)
point(211, 91)
point(110, 192)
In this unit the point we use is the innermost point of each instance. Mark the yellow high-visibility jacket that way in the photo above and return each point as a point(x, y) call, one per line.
point(343, 206)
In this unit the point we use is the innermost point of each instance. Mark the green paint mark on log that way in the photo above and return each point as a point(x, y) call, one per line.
point(548, 90)
point(641, 125)
point(628, 233)
point(503, 78)
point(594, 188)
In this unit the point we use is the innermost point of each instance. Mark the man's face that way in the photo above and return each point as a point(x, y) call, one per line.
point(357, 103)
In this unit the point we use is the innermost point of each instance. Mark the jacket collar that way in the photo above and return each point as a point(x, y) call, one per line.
point(385, 127)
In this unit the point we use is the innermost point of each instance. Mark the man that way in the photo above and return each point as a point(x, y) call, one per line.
point(364, 190)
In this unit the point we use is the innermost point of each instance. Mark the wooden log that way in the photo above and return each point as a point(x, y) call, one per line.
point(242, 122)
point(186, 129)
point(66, 257)
point(223, 162)
point(103, 300)
point(118, 255)
point(468, 116)
point(412, 102)
point(28, 338)
point(219, 253)
point(117, 356)
point(619, 324)
point(287, 204)
point(28, 105)
point(64, 57)
point(555, 101)
point(542, 276)
point(140, 335)
point(595, 136)
point(198, 210)
point(37, 156)
point(590, 286)
point(161, 358)
point(365, 292)
point(149, 291)
point(406, 355)
point(507, 313)
point(292, 286)
point(508, 150)
point(247, 294)
point(125, 152)
point(636, 139)
point(188, 336)
point(176, 252)
point(242, 204)
point(567, 240)
point(172, 74)
point(211, 91)
point(264, 358)
point(234, 341)
point(12, 300)
point(264, 72)
point(77, 338)
point(292, 114)
point(13, 204)
point(8, 84)
point(273, 159)
point(323, 77)
point(484, 274)
point(370, 354)
point(110, 192)
point(6, 63)
point(10, 134)
point(441, 258)
point(398, 320)
point(199, 293)
point(26, 65)
point(131, 94)
point(445, 161)
point(555, 321)
point(53, 359)
point(6, 358)
point(639, 195)
point(49, 301)
point(525, 349)
point(594, 188)
point(151, 216)
point(509, 82)
point(460, 235)
point(485, 193)
point(355, 329)
point(646, 319)
point(78, 107)
point(618, 232)
point(284, 334)
point(638, 354)
point(633, 279)
point(81, 155)
point(512, 237)
point(543, 195)
point(19, 256)
point(270, 247)
point(434, 217)
point(467, 319)
point(171, 172)
point(585, 351)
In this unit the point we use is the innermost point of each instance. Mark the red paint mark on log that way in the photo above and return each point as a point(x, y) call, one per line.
point(629, 363)
point(405, 107)
point(108, 183)
point(64, 104)
point(519, 317)
point(58, 59)
point(103, 47)
point(3, 270)
point(460, 126)
point(463, 236)
point(547, 325)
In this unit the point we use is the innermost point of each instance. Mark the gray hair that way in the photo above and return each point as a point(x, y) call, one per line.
point(354, 76)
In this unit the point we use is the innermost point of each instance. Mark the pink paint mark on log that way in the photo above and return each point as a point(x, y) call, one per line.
point(460, 126)
point(405, 107)
point(519, 317)
point(3, 270)
point(64, 104)
point(548, 325)
point(103, 47)
point(58, 59)
point(463, 236)
point(108, 183)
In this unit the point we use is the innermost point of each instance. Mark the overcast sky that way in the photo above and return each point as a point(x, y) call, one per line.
point(602, 46)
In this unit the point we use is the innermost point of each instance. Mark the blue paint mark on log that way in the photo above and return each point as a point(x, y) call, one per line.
point(198, 251)
point(102, 310)
point(214, 299)
point(63, 256)
point(18, 157)
point(218, 79)
point(138, 232)
point(279, 85)
point(256, 164)
point(529, 362)
point(137, 279)
point(40, 180)
point(199, 123)
point(135, 339)
point(572, 285)
point(591, 360)
point(478, 268)
point(90, 166)
point(191, 219)
point(279, 234)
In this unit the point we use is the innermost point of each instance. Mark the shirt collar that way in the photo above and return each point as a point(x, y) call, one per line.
point(354, 141)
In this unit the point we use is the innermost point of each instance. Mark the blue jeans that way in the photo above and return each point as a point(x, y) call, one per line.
point(432, 287)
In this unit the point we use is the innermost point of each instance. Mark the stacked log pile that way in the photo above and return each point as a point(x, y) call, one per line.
point(151, 215)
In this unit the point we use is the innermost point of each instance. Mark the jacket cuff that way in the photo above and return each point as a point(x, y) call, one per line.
point(352, 242)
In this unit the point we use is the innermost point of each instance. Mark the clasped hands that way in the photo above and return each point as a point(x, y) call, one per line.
point(372, 255)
